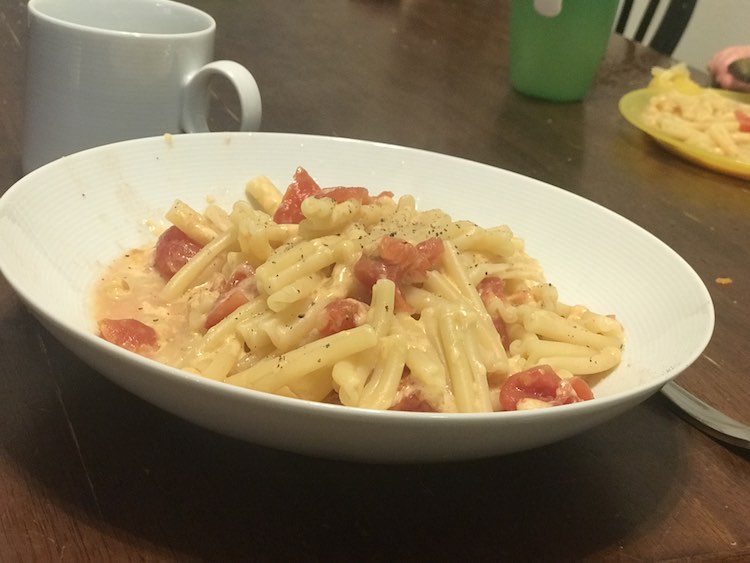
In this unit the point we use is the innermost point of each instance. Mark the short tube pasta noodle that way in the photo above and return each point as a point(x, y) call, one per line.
point(362, 300)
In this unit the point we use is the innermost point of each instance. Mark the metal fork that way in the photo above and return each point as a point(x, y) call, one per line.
point(707, 418)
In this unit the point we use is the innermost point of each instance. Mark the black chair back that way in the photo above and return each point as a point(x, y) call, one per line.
point(670, 28)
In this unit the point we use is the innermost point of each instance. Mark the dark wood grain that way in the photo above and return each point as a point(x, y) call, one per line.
point(90, 473)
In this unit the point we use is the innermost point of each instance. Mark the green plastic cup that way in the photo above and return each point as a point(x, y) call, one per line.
point(556, 46)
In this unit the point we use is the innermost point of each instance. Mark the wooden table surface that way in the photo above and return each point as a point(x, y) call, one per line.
point(88, 472)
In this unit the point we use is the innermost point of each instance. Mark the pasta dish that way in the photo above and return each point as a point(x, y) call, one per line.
point(699, 117)
point(350, 297)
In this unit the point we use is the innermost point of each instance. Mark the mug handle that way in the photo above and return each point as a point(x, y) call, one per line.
point(195, 102)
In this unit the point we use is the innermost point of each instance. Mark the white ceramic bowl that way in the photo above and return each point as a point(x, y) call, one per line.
point(69, 218)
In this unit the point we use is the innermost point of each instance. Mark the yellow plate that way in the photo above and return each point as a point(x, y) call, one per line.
point(632, 106)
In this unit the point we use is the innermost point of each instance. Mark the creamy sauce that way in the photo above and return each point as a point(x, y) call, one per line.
point(130, 289)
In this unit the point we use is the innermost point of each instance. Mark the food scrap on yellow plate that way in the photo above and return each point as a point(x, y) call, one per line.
point(676, 78)
point(706, 126)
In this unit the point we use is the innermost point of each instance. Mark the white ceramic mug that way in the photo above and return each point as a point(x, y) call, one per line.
point(100, 71)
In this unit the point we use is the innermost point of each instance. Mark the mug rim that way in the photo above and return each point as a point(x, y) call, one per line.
point(208, 20)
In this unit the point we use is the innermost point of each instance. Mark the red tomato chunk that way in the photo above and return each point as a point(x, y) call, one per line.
point(130, 334)
point(401, 262)
point(489, 288)
point(239, 289)
point(290, 208)
point(341, 194)
point(743, 119)
point(543, 384)
point(413, 403)
point(342, 314)
point(173, 250)
point(303, 186)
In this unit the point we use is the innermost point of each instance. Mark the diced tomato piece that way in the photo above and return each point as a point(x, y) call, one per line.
point(539, 382)
point(398, 255)
point(413, 403)
point(410, 263)
point(342, 314)
point(399, 261)
point(581, 388)
point(241, 272)
point(369, 269)
point(231, 300)
point(290, 208)
point(542, 383)
point(225, 306)
point(502, 330)
point(743, 119)
point(340, 194)
point(130, 334)
point(173, 250)
point(489, 288)
point(430, 252)
point(303, 186)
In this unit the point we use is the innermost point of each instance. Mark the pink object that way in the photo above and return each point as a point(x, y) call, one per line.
point(718, 66)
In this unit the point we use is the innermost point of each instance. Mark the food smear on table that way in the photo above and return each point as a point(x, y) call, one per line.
point(345, 296)
point(700, 117)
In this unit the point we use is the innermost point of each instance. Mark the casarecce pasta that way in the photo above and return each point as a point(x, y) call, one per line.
point(700, 117)
point(342, 296)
